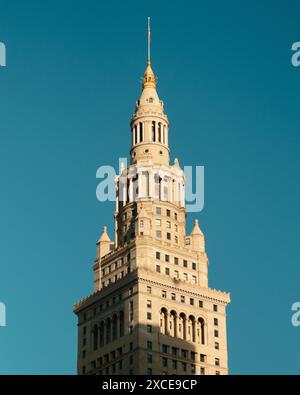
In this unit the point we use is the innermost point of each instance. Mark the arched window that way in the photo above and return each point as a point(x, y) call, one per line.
point(173, 320)
point(121, 322)
point(192, 322)
point(135, 134)
point(114, 327)
point(182, 318)
point(164, 134)
point(159, 132)
point(153, 131)
point(141, 131)
point(108, 330)
point(95, 337)
point(102, 334)
point(202, 330)
point(164, 321)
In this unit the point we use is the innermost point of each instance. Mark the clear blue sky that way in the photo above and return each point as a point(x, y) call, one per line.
point(66, 97)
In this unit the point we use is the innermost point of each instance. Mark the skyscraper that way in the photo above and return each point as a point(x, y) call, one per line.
point(152, 311)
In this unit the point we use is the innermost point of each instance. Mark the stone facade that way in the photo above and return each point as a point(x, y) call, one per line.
point(152, 311)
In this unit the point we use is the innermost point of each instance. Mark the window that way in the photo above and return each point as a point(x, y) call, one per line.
point(216, 322)
point(141, 223)
point(215, 307)
point(157, 255)
point(141, 131)
point(174, 364)
point(158, 210)
point(173, 296)
point(158, 268)
point(176, 273)
point(202, 371)
point(168, 236)
point(185, 276)
point(202, 357)
point(149, 290)
point(164, 362)
point(165, 348)
point(158, 233)
point(149, 358)
point(193, 356)
point(149, 316)
point(84, 330)
point(217, 362)
point(120, 365)
point(185, 264)
point(167, 270)
point(182, 299)
point(176, 261)
point(217, 346)
point(167, 258)
point(175, 216)
point(193, 369)
point(168, 213)
point(168, 224)
point(200, 303)
point(217, 373)
point(164, 294)
point(184, 366)
point(149, 328)
point(176, 239)
point(158, 222)
point(194, 266)
point(130, 359)
point(216, 333)
point(149, 372)
point(130, 346)
point(83, 354)
point(184, 353)
point(176, 227)
point(149, 304)
point(191, 301)
point(174, 351)
point(149, 345)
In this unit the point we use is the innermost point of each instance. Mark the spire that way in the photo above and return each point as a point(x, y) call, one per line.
point(196, 230)
point(149, 79)
point(104, 236)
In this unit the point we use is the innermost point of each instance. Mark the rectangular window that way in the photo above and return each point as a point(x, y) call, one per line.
point(217, 373)
point(217, 362)
point(191, 301)
point(184, 366)
point(164, 361)
point(168, 224)
point(167, 258)
point(202, 357)
point(167, 270)
point(158, 222)
point(194, 266)
point(157, 255)
point(168, 236)
point(193, 356)
point(164, 294)
point(149, 328)
point(149, 372)
point(193, 369)
point(168, 213)
point(182, 299)
point(149, 290)
point(158, 268)
point(216, 333)
point(165, 348)
point(149, 345)
point(176, 239)
point(175, 216)
point(185, 276)
point(130, 346)
point(176, 227)
point(184, 353)
point(194, 279)
point(202, 371)
point(158, 210)
point(176, 273)
point(141, 223)
point(216, 322)
point(200, 303)
point(149, 316)
point(174, 351)
point(174, 364)
point(175, 260)
point(149, 358)
point(158, 233)
point(173, 296)
point(149, 304)
point(185, 263)
point(215, 307)
point(217, 346)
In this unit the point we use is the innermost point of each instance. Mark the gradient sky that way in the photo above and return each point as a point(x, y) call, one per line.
point(66, 98)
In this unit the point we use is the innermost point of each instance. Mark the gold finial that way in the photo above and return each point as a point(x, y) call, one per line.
point(149, 79)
